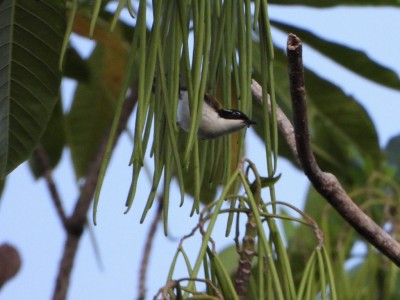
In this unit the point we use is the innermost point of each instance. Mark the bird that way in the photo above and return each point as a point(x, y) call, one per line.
point(214, 120)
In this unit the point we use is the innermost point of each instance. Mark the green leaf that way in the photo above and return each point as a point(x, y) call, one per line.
point(53, 140)
point(352, 59)
point(224, 280)
point(330, 3)
point(341, 124)
point(31, 35)
point(94, 103)
point(322, 213)
point(230, 258)
point(75, 66)
point(213, 170)
point(289, 228)
point(282, 93)
point(213, 166)
point(302, 240)
point(393, 153)
point(2, 185)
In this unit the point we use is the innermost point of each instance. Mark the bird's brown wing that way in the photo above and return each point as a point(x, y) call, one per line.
point(212, 101)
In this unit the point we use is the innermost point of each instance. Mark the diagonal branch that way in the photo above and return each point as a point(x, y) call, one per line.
point(325, 183)
point(76, 223)
point(43, 161)
point(284, 125)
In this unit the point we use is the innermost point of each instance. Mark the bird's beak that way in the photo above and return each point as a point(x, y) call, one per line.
point(250, 122)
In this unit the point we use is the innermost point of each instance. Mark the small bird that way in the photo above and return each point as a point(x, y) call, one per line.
point(215, 121)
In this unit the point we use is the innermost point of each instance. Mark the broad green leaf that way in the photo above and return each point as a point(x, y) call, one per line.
point(330, 3)
point(393, 153)
point(230, 259)
point(337, 115)
point(53, 140)
point(31, 35)
point(354, 60)
point(75, 66)
point(94, 103)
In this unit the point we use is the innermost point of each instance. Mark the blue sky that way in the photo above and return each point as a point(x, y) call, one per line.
point(27, 216)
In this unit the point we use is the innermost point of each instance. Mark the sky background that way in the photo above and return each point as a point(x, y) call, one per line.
point(28, 220)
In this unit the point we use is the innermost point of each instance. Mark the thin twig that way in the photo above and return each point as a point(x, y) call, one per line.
point(176, 284)
point(76, 223)
point(325, 183)
point(43, 161)
point(147, 250)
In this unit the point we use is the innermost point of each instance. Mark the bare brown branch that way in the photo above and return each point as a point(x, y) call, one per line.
point(76, 223)
point(42, 160)
point(284, 125)
point(325, 183)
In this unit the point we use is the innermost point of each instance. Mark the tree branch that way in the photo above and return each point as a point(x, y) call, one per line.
point(76, 223)
point(325, 183)
point(42, 160)
point(284, 125)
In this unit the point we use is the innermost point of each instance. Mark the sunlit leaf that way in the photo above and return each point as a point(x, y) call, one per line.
point(31, 35)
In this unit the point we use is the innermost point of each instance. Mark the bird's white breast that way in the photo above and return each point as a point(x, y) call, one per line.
point(211, 124)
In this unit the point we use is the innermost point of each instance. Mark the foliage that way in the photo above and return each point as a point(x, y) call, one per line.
point(31, 35)
point(232, 44)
